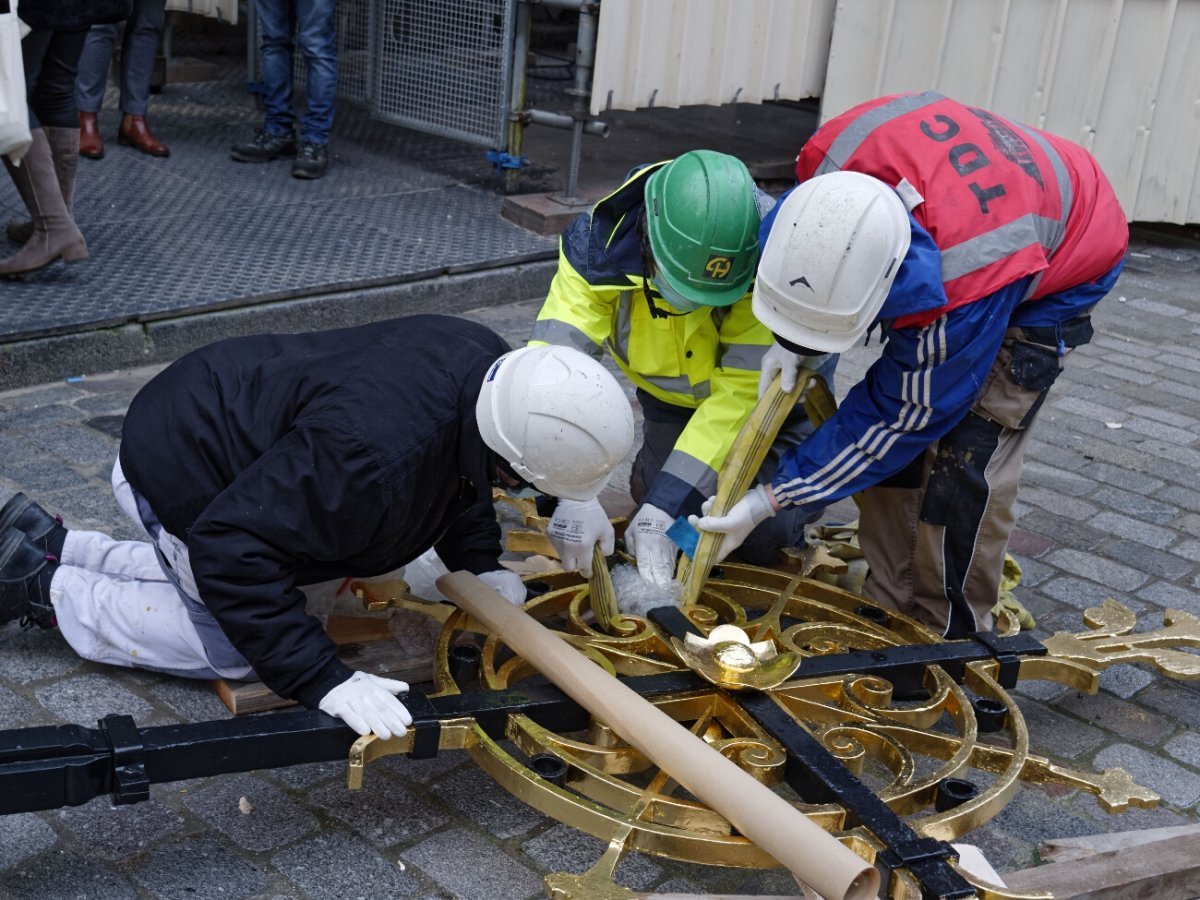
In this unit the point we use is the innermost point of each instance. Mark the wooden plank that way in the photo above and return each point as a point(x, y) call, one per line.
point(1161, 870)
point(1066, 849)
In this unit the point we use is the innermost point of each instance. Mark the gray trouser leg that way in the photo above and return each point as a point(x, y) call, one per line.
point(93, 66)
point(138, 51)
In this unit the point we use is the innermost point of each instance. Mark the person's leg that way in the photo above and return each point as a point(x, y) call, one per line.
point(34, 48)
point(128, 622)
point(139, 48)
point(138, 53)
point(52, 98)
point(954, 515)
point(276, 139)
point(45, 178)
point(103, 581)
point(277, 24)
point(658, 440)
point(64, 145)
point(315, 36)
point(54, 234)
point(317, 41)
point(94, 61)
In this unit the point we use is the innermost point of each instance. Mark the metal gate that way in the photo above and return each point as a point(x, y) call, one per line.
point(440, 66)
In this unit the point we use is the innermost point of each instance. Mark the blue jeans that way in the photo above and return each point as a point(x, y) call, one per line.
point(312, 23)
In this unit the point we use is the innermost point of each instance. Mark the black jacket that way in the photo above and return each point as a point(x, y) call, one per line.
point(73, 15)
point(285, 460)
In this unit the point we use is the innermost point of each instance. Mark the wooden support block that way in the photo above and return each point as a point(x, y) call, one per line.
point(1066, 849)
point(365, 643)
point(1167, 869)
point(544, 213)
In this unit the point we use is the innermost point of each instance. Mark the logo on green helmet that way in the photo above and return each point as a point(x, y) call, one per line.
point(719, 267)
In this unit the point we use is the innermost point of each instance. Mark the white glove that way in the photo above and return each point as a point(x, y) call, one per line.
point(575, 528)
point(366, 703)
point(646, 537)
point(507, 584)
point(736, 524)
point(785, 362)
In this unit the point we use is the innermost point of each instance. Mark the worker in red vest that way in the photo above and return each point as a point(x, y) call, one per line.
point(975, 248)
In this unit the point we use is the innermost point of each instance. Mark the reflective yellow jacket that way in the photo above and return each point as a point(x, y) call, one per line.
point(707, 360)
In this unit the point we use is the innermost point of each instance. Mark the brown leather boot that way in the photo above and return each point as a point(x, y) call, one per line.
point(64, 147)
point(134, 132)
point(90, 144)
point(55, 235)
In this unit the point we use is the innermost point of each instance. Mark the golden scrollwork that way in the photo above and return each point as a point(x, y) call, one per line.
point(758, 625)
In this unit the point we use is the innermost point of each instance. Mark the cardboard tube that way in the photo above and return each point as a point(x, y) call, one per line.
point(813, 855)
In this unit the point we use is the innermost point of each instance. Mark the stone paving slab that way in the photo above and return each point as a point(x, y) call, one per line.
point(1103, 512)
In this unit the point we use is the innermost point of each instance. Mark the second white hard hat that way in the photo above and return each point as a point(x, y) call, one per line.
point(830, 260)
point(558, 417)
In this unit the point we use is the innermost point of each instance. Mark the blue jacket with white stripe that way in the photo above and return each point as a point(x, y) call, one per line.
point(924, 383)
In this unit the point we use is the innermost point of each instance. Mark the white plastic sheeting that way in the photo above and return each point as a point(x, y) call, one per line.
point(1120, 77)
point(709, 52)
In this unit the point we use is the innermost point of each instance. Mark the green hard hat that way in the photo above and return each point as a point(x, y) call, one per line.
point(703, 228)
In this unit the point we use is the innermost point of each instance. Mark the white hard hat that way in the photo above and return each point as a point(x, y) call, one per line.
point(558, 417)
point(830, 259)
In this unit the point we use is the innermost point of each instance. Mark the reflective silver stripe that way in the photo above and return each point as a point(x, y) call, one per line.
point(623, 326)
point(860, 129)
point(677, 385)
point(743, 356)
point(1065, 193)
point(564, 334)
point(991, 246)
point(701, 476)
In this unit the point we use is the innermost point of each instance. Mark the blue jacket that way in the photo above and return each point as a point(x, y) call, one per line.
point(924, 383)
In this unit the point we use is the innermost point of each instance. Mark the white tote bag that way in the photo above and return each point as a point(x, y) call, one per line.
point(14, 115)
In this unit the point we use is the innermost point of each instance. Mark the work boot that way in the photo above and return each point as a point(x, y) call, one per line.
point(64, 147)
point(264, 147)
point(55, 235)
point(25, 575)
point(45, 530)
point(311, 162)
point(135, 133)
point(90, 144)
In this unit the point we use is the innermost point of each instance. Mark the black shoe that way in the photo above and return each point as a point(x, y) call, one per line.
point(25, 574)
point(45, 530)
point(311, 162)
point(265, 147)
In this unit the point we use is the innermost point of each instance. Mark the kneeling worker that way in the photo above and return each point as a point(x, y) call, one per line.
point(979, 247)
point(260, 464)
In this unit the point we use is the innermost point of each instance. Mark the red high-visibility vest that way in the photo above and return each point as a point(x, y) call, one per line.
point(1001, 200)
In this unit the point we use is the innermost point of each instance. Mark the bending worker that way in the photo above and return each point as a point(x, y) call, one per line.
point(659, 274)
point(259, 464)
point(977, 247)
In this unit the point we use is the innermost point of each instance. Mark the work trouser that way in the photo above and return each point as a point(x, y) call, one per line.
point(935, 534)
point(135, 603)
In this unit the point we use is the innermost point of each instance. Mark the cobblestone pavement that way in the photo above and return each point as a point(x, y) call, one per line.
point(1110, 506)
